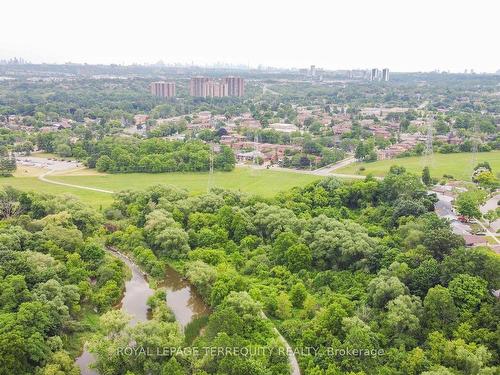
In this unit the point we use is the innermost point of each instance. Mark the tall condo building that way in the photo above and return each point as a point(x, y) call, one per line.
point(217, 89)
point(205, 87)
point(163, 89)
point(198, 86)
point(313, 71)
point(385, 74)
point(235, 86)
point(375, 75)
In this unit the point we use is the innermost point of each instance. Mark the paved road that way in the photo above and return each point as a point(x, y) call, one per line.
point(327, 170)
point(314, 172)
point(443, 208)
point(492, 204)
point(266, 90)
point(488, 233)
point(56, 166)
point(44, 178)
point(292, 359)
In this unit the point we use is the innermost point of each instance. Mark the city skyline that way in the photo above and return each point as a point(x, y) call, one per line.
point(230, 66)
point(406, 37)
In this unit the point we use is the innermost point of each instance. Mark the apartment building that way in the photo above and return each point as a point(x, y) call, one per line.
point(217, 88)
point(163, 89)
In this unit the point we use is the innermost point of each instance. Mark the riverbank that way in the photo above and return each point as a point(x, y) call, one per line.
point(133, 302)
point(191, 312)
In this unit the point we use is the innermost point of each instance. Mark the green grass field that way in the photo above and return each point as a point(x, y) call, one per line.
point(458, 165)
point(260, 182)
point(93, 198)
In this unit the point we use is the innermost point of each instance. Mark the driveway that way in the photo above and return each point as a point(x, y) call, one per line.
point(492, 204)
point(444, 209)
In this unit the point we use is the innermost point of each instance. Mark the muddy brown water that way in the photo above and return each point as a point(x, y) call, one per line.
point(186, 304)
point(182, 299)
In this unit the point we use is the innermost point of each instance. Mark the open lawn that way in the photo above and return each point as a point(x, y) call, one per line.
point(93, 198)
point(458, 165)
point(260, 182)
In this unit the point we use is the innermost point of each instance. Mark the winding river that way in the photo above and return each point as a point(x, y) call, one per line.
point(182, 299)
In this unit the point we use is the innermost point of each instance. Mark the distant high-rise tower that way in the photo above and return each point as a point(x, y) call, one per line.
point(313, 71)
point(206, 87)
point(375, 74)
point(163, 89)
point(235, 86)
point(385, 74)
point(217, 89)
point(198, 86)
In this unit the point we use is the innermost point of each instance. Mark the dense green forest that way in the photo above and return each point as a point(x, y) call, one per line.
point(157, 155)
point(77, 95)
point(363, 265)
point(131, 154)
point(54, 272)
point(360, 277)
point(104, 99)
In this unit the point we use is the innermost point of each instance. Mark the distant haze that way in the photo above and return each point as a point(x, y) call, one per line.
point(411, 35)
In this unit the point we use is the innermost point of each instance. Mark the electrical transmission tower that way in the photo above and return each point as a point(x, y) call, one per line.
point(475, 145)
point(255, 158)
point(211, 168)
point(256, 150)
point(428, 142)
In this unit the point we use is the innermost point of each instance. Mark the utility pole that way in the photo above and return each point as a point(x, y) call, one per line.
point(211, 168)
point(475, 145)
point(255, 149)
point(428, 142)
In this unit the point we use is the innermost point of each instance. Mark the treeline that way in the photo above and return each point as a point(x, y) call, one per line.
point(118, 155)
point(53, 274)
point(446, 148)
point(363, 264)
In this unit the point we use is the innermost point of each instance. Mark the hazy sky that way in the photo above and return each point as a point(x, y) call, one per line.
point(404, 35)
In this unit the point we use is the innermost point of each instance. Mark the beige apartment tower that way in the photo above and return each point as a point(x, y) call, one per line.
point(236, 86)
point(163, 89)
point(206, 87)
point(217, 89)
point(198, 86)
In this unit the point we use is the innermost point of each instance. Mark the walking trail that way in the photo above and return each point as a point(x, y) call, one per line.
point(43, 177)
